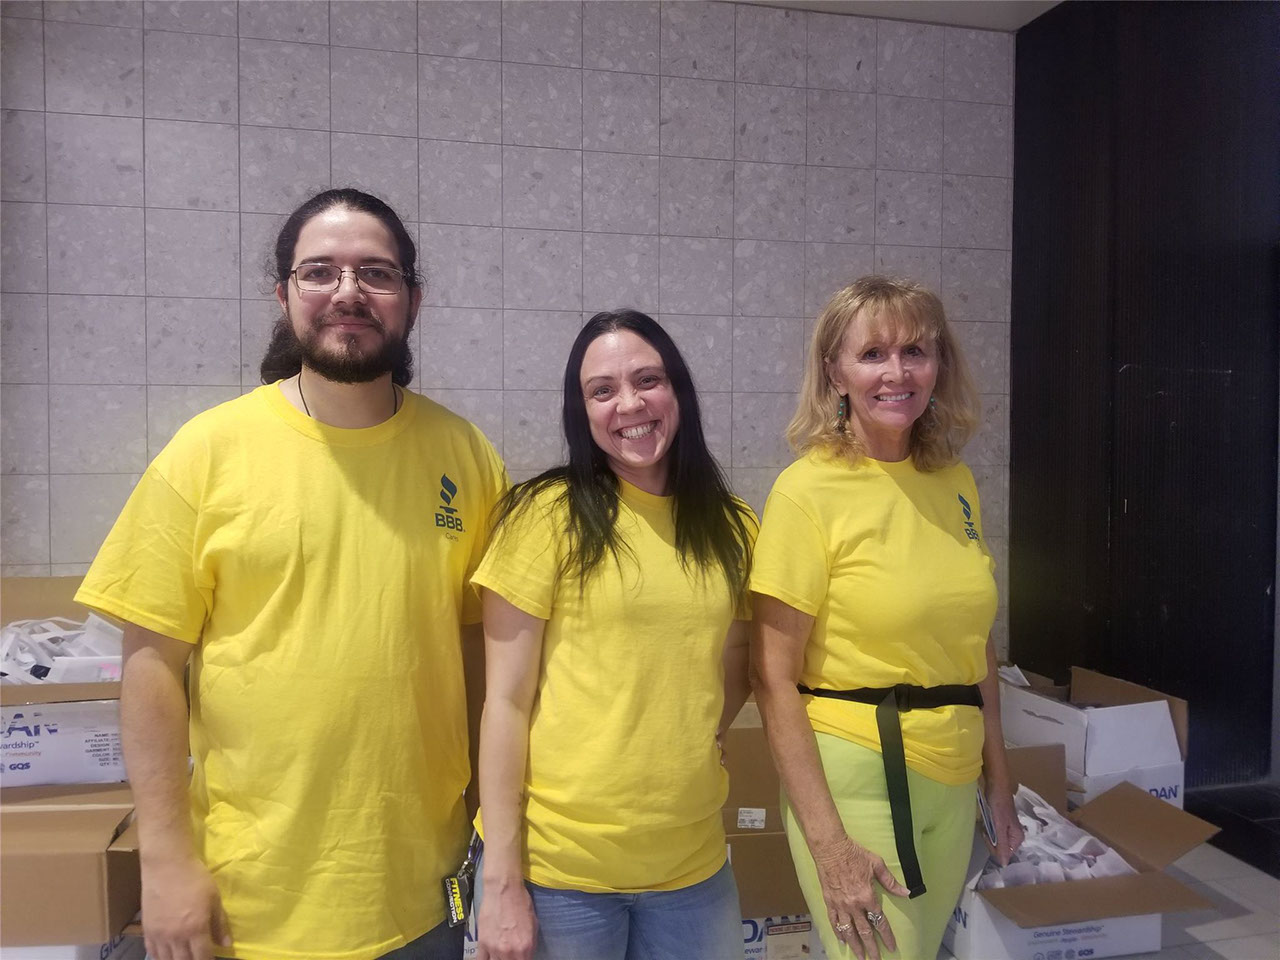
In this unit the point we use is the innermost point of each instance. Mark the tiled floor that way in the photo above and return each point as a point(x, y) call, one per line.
point(1243, 924)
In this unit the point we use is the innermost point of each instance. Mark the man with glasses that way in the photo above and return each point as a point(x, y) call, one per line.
point(306, 550)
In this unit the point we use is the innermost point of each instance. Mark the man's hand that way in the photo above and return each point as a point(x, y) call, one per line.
point(182, 915)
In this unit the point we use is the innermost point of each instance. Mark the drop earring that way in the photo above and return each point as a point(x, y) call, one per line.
point(842, 414)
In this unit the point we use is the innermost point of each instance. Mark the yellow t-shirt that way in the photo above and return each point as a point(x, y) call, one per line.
point(623, 784)
point(890, 563)
point(321, 575)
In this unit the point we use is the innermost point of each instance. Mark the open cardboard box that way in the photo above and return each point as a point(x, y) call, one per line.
point(39, 598)
point(55, 732)
point(1113, 731)
point(68, 864)
point(1103, 917)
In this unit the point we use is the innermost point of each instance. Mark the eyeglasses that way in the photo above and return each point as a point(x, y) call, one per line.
point(326, 277)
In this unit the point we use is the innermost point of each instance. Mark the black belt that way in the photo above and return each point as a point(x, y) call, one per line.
point(889, 703)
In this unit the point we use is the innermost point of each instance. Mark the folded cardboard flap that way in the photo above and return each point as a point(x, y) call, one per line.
point(1089, 686)
point(1112, 731)
point(39, 598)
point(1079, 901)
point(1042, 769)
point(1142, 828)
point(17, 694)
point(1045, 685)
point(78, 796)
point(65, 830)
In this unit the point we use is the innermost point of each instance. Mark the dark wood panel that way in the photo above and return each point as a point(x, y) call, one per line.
point(1147, 395)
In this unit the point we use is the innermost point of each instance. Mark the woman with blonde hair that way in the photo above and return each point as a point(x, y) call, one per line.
point(874, 598)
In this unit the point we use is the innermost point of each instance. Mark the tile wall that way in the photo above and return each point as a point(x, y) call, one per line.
point(723, 167)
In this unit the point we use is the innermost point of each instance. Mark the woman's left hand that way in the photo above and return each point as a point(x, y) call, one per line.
point(1009, 833)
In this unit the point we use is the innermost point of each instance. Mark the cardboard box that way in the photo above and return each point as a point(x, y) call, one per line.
point(56, 732)
point(39, 598)
point(1093, 918)
point(767, 884)
point(781, 938)
point(68, 865)
point(53, 733)
point(754, 789)
point(758, 850)
point(1113, 731)
point(120, 948)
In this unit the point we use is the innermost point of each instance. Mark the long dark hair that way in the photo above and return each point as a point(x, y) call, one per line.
point(711, 526)
point(284, 355)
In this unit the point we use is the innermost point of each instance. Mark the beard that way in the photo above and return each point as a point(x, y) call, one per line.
point(345, 362)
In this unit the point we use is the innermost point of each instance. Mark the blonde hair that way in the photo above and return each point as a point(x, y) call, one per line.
point(900, 312)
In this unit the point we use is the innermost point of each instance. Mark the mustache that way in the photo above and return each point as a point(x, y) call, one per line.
point(359, 313)
point(346, 315)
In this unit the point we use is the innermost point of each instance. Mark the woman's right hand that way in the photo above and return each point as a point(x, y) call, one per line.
point(506, 928)
point(849, 873)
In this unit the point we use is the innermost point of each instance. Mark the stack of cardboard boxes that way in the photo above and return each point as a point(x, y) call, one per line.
point(775, 919)
point(68, 854)
point(1112, 753)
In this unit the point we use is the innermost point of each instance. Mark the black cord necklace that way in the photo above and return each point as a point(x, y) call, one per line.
point(395, 399)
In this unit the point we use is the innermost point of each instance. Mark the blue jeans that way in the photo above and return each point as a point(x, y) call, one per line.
point(439, 943)
point(702, 920)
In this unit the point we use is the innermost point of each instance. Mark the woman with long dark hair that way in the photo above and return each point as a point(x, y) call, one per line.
point(613, 590)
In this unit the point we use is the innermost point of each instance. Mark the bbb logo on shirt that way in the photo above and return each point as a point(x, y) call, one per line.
point(447, 516)
point(970, 530)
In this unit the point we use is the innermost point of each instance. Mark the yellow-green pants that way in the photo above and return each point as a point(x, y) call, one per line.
point(943, 817)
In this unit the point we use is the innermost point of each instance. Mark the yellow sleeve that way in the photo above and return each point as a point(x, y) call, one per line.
point(496, 482)
point(522, 563)
point(791, 556)
point(145, 572)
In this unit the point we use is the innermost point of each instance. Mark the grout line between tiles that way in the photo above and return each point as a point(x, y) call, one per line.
point(48, 326)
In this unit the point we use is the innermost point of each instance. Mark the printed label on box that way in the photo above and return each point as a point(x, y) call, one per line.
point(787, 941)
point(767, 938)
point(751, 818)
point(76, 742)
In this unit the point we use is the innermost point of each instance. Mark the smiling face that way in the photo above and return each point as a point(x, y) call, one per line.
point(349, 334)
point(631, 407)
point(888, 379)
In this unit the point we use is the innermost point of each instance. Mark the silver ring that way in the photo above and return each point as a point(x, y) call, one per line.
point(843, 928)
point(875, 917)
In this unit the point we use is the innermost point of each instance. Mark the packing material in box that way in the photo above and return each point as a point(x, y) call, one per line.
point(1093, 918)
point(68, 864)
point(1113, 731)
